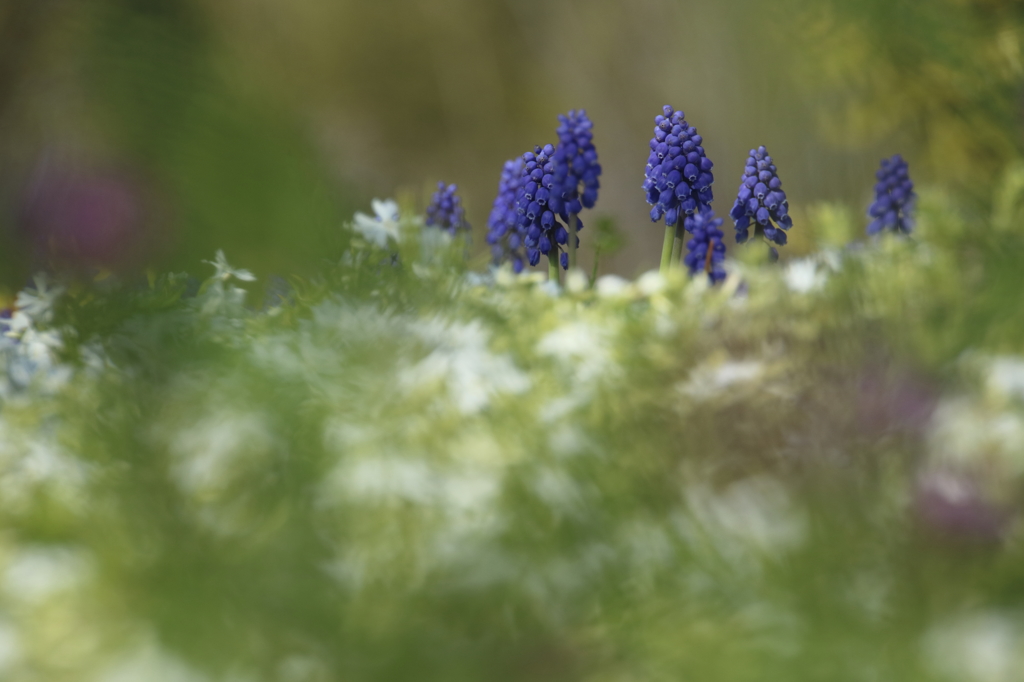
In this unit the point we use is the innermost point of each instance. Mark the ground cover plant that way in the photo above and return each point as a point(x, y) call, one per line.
point(732, 467)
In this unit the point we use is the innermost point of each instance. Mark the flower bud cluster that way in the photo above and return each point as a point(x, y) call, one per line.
point(706, 251)
point(761, 201)
point(575, 162)
point(503, 234)
point(445, 210)
point(678, 177)
point(894, 198)
point(538, 224)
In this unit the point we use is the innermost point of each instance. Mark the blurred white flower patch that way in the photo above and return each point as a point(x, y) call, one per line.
point(1005, 377)
point(805, 275)
point(980, 647)
point(462, 361)
point(708, 380)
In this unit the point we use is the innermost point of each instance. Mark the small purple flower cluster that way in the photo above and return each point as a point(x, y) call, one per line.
point(541, 193)
point(503, 224)
point(538, 223)
point(678, 177)
point(894, 198)
point(761, 201)
point(445, 210)
point(706, 251)
point(575, 162)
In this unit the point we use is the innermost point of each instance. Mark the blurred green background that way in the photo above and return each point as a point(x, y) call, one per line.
point(138, 133)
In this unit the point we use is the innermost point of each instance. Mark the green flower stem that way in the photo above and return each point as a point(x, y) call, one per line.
point(666, 249)
point(553, 264)
point(677, 246)
point(572, 240)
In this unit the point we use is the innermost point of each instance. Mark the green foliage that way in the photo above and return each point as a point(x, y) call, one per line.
point(405, 469)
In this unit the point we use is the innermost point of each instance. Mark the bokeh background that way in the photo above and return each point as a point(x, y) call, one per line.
point(149, 133)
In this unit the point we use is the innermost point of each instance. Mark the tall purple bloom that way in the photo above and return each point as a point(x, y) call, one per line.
point(678, 178)
point(445, 210)
point(503, 234)
point(893, 207)
point(761, 201)
point(538, 224)
point(575, 163)
point(706, 251)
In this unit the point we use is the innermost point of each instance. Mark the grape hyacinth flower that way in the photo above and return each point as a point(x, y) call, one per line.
point(575, 162)
point(894, 198)
point(761, 202)
point(677, 180)
point(706, 251)
point(503, 234)
point(445, 210)
point(538, 224)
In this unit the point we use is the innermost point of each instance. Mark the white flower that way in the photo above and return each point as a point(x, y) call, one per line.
point(379, 227)
point(979, 647)
point(17, 325)
point(709, 380)
point(34, 305)
point(650, 283)
point(803, 276)
point(462, 360)
point(226, 272)
point(1006, 376)
point(611, 286)
point(40, 346)
point(966, 432)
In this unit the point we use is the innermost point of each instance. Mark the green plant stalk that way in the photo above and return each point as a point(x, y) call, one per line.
point(677, 247)
point(666, 249)
point(593, 274)
point(553, 264)
point(572, 240)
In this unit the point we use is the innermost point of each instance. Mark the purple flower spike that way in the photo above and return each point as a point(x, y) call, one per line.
point(760, 202)
point(706, 251)
point(504, 234)
point(538, 222)
point(445, 210)
point(893, 208)
point(678, 178)
point(575, 164)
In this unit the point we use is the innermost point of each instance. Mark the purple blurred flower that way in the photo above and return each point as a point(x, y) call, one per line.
point(706, 251)
point(893, 401)
point(893, 207)
point(952, 505)
point(504, 235)
point(86, 219)
point(445, 210)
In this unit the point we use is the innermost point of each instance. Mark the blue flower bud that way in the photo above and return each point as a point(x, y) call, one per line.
point(445, 210)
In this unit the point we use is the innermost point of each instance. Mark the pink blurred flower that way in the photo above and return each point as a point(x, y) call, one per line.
point(954, 506)
point(86, 218)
